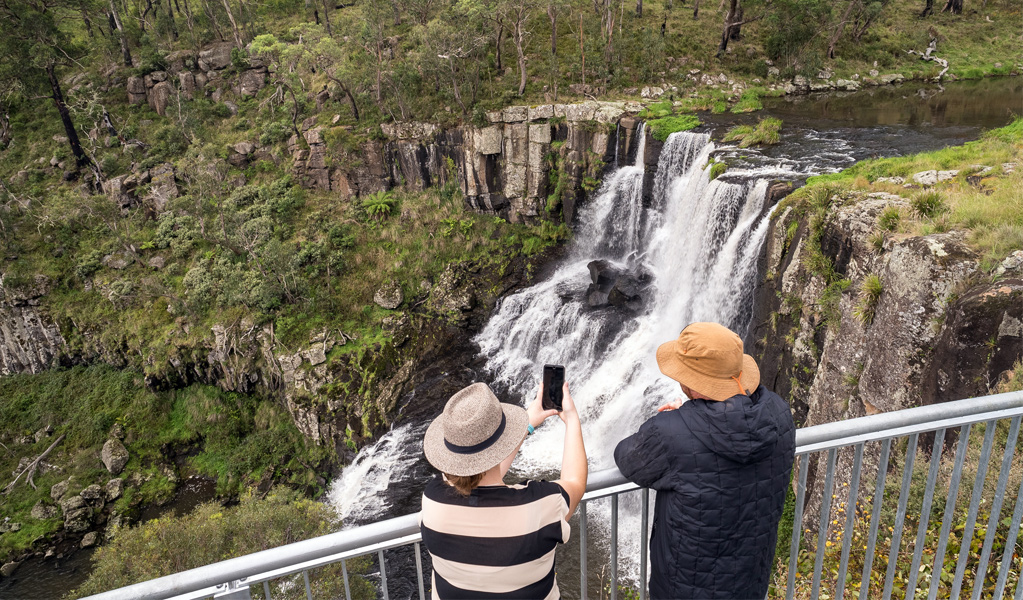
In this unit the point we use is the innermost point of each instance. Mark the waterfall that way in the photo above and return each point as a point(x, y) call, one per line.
point(699, 240)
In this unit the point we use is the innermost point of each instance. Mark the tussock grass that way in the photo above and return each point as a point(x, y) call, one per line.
point(764, 133)
point(665, 126)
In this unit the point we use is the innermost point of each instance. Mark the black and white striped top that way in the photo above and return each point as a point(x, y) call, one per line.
point(498, 542)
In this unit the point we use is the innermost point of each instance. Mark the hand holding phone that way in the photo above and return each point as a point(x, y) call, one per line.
point(553, 381)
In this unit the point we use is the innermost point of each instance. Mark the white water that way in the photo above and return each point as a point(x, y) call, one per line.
point(698, 239)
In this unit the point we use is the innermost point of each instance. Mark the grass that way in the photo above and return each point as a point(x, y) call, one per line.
point(764, 133)
point(233, 438)
point(870, 294)
point(989, 207)
point(663, 127)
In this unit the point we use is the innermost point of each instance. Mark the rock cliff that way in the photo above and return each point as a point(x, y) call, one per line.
point(934, 328)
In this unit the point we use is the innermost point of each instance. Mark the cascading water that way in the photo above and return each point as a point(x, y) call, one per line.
point(699, 241)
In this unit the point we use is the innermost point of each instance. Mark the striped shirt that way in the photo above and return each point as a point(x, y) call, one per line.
point(499, 542)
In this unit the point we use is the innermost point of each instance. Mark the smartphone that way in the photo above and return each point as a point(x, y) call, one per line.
point(553, 380)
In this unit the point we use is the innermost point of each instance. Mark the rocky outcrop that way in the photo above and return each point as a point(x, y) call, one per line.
point(527, 161)
point(939, 329)
point(30, 341)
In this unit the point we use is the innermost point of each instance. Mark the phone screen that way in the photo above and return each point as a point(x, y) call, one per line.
point(553, 380)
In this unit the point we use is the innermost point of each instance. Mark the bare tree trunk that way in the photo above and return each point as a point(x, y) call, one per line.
point(582, 49)
point(639, 8)
point(552, 15)
point(174, 26)
point(928, 8)
point(5, 129)
point(234, 25)
point(87, 21)
point(954, 6)
point(732, 18)
point(519, 34)
point(213, 19)
point(326, 16)
point(500, 38)
point(120, 33)
point(348, 95)
point(841, 27)
point(65, 117)
point(189, 20)
point(696, 9)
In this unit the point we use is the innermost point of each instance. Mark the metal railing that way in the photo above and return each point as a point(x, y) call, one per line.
point(822, 563)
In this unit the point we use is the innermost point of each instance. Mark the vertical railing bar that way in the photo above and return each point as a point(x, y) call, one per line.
point(950, 507)
point(644, 521)
point(582, 549)
point(850, 520)
point(825, 520)
point(925, 513)
point(344, 575)
point(900, 517)
point(875, 517)
point(383, 573)
point(308, 588)
point(1010, 546)
point(419, 572)
point(1019, 589)
point(266, 590)
point(996, 508)
point(614, 547)
point(971, 520)
point(797, 525)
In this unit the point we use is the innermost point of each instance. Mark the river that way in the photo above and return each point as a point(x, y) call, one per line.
point(696, 245)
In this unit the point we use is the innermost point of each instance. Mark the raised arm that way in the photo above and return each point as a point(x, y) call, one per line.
point(573, 461)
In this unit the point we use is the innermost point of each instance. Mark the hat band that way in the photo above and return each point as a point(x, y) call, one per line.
point(480, 446)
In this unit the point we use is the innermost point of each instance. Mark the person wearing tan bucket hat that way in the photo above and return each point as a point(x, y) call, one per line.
point(720, 463)
point(486, 538)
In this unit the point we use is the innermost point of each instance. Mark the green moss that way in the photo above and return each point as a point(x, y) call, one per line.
point(665, 126)
point(764, 133)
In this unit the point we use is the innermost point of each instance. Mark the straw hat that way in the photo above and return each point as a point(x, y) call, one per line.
point(474, 433)
point(708, 359)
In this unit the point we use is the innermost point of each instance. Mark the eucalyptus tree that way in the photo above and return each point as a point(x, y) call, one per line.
point(37, 46)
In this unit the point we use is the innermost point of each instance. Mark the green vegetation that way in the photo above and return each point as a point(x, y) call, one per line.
point(984, 202)
point(764, 133)
point(717, 168)
point(665, 126)
point(236, 439)
point(870, 294)
point(213, 533)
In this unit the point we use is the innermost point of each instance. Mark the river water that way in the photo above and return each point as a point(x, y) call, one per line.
point(696, 244)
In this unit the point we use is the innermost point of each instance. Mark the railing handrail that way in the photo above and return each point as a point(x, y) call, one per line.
point(949, 413)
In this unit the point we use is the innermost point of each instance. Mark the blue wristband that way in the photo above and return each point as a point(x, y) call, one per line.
point(530, 429)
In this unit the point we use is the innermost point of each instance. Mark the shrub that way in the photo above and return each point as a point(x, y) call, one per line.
point(212, 533)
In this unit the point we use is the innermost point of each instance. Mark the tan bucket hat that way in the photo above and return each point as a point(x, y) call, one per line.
point(708, 358)
point(474, 433)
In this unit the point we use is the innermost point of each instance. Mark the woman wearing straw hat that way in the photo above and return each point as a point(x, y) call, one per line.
point(486, 538)
point(720, 463)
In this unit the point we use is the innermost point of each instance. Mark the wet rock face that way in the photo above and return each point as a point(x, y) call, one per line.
point(615, 286)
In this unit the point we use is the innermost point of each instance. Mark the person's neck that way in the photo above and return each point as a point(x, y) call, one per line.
point(493, 477)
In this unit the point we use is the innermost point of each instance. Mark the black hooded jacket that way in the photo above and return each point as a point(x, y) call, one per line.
point(720, 470)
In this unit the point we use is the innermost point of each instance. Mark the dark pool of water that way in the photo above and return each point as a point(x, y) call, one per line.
point(51, 579)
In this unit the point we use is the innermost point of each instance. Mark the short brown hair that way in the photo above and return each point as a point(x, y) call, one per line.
point(464, 484)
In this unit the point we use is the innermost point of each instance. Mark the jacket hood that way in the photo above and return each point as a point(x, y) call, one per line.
point(743, 429)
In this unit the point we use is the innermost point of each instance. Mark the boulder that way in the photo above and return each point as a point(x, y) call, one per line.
point(9, 568)
point(159, 97)
point(59, 489)
point(515, 114)
point(157, 262)
point(539, 113)
point(251, 81)
point(615, 286)
point(652, 92)
point(114, 489)
point(78, 520)
point(891, 78)
point(186, 82)
point(114, 456)
point(389, 296)
point(163, 186)
point(136, 90)
point(90, 539)
point(117, 260)
point(43, 511)
point(92, 493)
point(245, 148)
point(71, 504)
point(216, 57)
